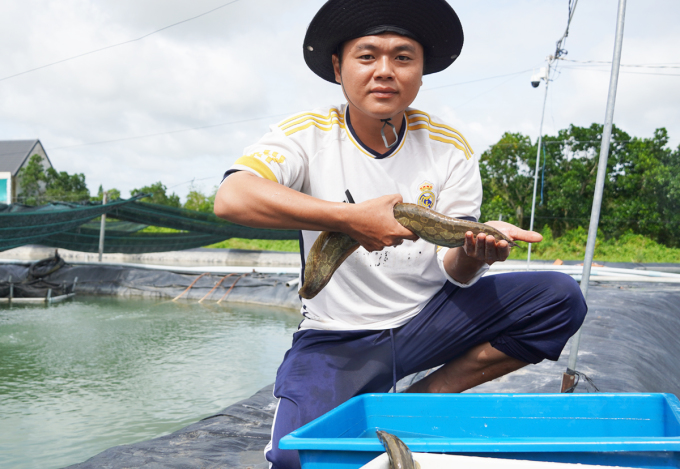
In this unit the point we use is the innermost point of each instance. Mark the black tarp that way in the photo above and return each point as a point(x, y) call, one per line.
point(233, 438)
point(123, 281)
point(629, 344)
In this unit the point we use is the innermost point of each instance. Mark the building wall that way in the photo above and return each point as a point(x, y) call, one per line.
point(5, 187)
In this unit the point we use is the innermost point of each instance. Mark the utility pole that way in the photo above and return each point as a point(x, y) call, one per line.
point(535, 81)
point(102, 229)
point(568, 378)
point(544, 76)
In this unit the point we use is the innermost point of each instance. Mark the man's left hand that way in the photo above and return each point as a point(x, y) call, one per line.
point(487, 249)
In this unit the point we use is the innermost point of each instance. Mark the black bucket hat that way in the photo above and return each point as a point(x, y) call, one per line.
point(432, 23)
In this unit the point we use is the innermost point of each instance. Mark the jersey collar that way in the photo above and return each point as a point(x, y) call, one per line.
point(368, 151)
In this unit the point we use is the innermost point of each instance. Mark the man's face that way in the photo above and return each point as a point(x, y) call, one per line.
point(381, 75)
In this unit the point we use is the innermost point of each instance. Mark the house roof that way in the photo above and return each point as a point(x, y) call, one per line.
point(13, 154)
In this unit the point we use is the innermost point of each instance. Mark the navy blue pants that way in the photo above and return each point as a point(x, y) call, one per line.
point(528, 316)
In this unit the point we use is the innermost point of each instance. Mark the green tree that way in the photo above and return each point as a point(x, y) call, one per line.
point(32, 180)
point(507, 179)
point(641, 193)
point(61, 186)
point(197, 200)
point(648, 189)
point(159, 195)
point(570, 174)
point(40, 186)
point(113, 194)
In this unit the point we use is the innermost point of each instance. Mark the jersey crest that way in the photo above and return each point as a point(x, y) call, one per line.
point(426, 198)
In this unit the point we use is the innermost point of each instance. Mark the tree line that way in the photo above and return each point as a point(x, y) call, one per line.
point(41, 186)
point(641, 193)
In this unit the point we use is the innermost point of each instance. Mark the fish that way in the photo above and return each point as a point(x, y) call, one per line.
point(398, 453)
point(331, 248)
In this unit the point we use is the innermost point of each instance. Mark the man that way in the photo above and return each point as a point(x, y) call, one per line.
point(398, 305)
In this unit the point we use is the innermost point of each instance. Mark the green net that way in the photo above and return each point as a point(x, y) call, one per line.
point(130, 243)
point(20, 224)
point(71, 226)
point(190, 220)
point(112, 226)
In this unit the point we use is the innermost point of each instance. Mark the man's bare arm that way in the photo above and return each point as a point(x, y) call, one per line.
point(464, 262)
point(250, 200)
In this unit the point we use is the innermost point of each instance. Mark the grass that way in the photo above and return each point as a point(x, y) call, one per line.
point(572, 246)
point(159, 229)
point(259, 245)
point(240, 243)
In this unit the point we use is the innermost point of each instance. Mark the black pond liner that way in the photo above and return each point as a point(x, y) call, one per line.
point(125, 281)
point(232, 438)
point(629, 344)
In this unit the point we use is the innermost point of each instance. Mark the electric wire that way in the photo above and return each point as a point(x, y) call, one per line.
point(191, 181)
point(605, 62)
point(485, 92)
point(623, 71)
point(475, 81)
point(118, 44)
point(170, 132)
point(559, 49)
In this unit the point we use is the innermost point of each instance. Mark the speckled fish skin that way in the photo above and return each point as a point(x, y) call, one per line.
point(439, 229)
point(328, 251)
point(332, 248)
point(398, 453)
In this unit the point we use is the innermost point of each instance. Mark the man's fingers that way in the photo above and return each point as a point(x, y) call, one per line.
point(503, 250)
point(526, 236)
point(480, 247)
point(490, 248)
point(516, 233)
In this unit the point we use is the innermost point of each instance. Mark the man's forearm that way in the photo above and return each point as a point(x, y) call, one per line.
point(249, 200)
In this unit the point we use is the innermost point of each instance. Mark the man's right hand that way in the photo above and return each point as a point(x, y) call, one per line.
point(373, 225)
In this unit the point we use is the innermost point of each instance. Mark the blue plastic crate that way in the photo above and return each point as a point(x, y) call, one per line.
point(634, 430)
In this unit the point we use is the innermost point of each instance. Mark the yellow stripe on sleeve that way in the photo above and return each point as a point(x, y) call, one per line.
point(453, 142)
point(440, 128)
point(261, 168)
point(333, 112)
point(334, 119)
point(318, 126)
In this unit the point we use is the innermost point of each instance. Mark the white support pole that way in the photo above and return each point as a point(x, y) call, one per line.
point(538, 157)
point(102, 230)
point(568, 376)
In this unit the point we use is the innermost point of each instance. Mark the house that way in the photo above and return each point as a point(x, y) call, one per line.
point(14, 154)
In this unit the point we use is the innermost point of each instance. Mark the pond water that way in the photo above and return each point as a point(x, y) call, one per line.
point(79, 377)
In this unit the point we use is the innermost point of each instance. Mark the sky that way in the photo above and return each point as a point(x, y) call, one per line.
point(179, 105)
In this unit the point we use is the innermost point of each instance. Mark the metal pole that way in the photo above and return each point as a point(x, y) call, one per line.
point(102, 230)
point(538, 157)
point(568, 377)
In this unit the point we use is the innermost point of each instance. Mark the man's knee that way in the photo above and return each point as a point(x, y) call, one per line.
point(567, 296)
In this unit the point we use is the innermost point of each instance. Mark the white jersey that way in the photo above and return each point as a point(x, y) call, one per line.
point(432, 165)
